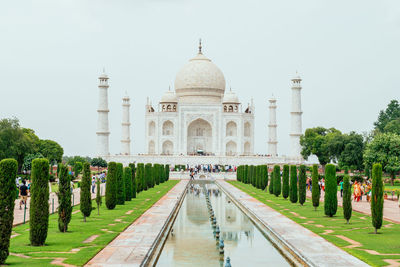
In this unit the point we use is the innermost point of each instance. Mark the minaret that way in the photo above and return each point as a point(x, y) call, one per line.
point(102, 122)
point(272, 139)
point(296, 127)
point(126, 125)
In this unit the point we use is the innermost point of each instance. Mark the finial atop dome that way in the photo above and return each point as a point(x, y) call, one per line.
point(200, 47)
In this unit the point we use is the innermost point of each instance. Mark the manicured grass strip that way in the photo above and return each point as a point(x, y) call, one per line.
point(70, 245)
point(359, 230)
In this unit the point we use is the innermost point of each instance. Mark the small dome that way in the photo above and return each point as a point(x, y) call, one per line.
point(230, 98)
point(200, 81)
point(169, 97)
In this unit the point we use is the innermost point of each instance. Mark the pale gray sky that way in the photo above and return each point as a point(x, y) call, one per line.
point(51, 53)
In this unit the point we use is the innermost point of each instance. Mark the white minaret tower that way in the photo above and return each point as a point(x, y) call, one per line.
point(296, 127)
point(102, 123)
point(272, 139)
point(126, 125)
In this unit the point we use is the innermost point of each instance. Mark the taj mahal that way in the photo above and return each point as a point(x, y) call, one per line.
point(200, 122)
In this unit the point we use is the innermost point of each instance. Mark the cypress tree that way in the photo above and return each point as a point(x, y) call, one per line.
point(330, 201)
point(265, 177)
point(285, 181)
point(120, 184)
point(347, 209)
point(166, 167)
point(245, 173)
point(302, 184)
point(111, 186)
point(367, 172)
point(271, 182)
point(134, 182)
point(98, 196)
point(277, 180)
point(249, 169)
point(260, 177)
point(128, 183)
point(293, 184)
point(238, 173)
point(86, 198)
point(39, 206)
point(8, 190)
point(140, 177)
point(157, 173)
point(377, 197)
point(64, 198)
point(148, 174)
point(315, 192)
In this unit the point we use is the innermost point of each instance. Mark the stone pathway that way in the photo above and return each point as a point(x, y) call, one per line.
point(311, 246)
point(19, 214)
point(391, 210)
point(132, 245)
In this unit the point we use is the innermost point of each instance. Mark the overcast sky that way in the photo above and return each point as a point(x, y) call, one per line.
point(52, 52)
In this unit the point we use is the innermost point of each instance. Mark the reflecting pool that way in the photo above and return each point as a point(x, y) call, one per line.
point(192, 243)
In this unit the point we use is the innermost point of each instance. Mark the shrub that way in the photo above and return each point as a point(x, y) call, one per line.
point(330, 201)
point(64, 198)
point(315, 194)
point(293, 184)
point(98, 196)
point(140, 177)
point(148, 174)
point(277, 180)
point(120, 184)
point(347, 209)
point(128, 183)
point(134, 181)
point(271, 182)
point(111, 186)
point(302, 184)
point(8, 173)
point(285, 181)
point(86, 198)
point(377, 197)
point(39, 207)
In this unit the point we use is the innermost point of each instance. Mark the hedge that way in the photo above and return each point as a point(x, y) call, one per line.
point(142, 185)
point(128, 183)
point(277, 180)
point(120, 184)
point(134, 181)
point(148, 174)
point(293, 184)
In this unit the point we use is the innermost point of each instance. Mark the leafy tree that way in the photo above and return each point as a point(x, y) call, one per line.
point(98, 162)
point(271, 182)
point(377, 197)
point(352, 154)
point(314, 142)
point(315, 186)
point(384, 149)
point(98, 196)
point(330, 205)
point(27, 165)
point(111, 186)
point(72, 160)
point(293, 184)
point(347, 209)
point(86, 197)
point(134, 182)
point(285, 181)
point(78, 167)
point(39, 206)
point(277, 180)
point(64, 199)
point(120, 185)
point(128, 183)
point(302, 184)
point(8, 173)
point(391, 113)
point(51, 150)
point(393, 126)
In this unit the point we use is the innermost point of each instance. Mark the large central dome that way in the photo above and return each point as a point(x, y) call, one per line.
point(200, 81)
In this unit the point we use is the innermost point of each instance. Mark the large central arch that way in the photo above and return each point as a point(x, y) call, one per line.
point(199, 137)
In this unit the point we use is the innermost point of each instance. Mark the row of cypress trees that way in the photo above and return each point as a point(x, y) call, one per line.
point(254, 175)
point(293, 185)
point(123, 184)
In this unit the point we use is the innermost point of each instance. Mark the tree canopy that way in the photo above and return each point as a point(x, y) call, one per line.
point(389, 116)
point(51, 150)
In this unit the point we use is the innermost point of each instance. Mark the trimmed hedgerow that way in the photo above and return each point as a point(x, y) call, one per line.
point(39, 206)
point(142, 185)
point(148, 174)
point(128, 183)
point(8, 173)
point(277, 180)
point(134, 181)
point(120, 184)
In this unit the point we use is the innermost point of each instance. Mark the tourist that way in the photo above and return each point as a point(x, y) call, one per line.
point(23, 193)
point(323, 184)
point(341, 188)
point(93, 184)
point(357, 191)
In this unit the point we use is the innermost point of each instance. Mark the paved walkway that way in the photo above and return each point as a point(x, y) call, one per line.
point(132, 245)
point(19, 214)
point(391, 210)
point(314, 248)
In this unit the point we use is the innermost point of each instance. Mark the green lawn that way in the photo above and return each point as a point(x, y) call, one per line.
point(360, 228)
point(61, 245)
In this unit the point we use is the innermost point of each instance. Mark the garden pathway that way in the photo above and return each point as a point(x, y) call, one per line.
point(132, 245)
point(391, 209)
point(19, 214)
point(316, 250)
